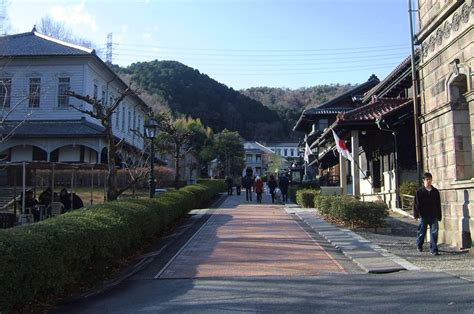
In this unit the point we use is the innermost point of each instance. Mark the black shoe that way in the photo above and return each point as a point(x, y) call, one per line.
point(419, 249)
point(434, 253)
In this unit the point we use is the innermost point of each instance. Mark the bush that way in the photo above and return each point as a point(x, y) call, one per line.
point(51, 258)
point(294, 187)
point(408, 188)
point(305, 197)
point(348, 210)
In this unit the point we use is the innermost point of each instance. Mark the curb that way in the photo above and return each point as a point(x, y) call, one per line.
point(368, 256)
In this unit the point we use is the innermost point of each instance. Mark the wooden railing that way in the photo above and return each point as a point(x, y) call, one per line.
point(407, 201)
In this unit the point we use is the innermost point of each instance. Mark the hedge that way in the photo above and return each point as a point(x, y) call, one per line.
point(349, 210)
point(305, 197)
point(49, 259)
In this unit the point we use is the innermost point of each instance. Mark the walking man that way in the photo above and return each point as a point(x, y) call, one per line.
point(283, 183)
point(247, 183)
point(427, 207)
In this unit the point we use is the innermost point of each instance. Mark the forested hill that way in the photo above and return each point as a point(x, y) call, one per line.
point(257, 113)
point(187, 91)
point(289, 103)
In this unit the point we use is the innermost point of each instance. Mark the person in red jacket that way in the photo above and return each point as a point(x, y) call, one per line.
point(427, 207)
point(259, 188)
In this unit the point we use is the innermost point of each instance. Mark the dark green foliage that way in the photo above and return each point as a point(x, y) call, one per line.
point(408, 188)
point(349, 210)
point(41, 261)
point(187, 91)
point(289, 103)
point(305, 197)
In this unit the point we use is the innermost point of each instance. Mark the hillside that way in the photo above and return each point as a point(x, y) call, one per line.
point(187, 91)
point(290, 103)
point(257, 113)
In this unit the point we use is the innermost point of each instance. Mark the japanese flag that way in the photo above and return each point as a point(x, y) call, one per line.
point(341, 147)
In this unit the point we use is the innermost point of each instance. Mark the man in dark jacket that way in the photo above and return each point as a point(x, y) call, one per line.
point(283, 183)
point(427, 207)
point(247, 183)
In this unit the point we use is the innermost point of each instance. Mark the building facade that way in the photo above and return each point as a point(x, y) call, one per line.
point(257, 157)
point(39, 121)
point(446, 36)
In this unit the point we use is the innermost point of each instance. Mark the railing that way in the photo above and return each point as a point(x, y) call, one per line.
point(407, 201)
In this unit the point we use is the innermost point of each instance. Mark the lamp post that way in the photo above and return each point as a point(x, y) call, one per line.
point(150, 133)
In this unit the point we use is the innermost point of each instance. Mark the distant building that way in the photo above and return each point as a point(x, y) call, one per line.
point(284, 149)
point(257, 157)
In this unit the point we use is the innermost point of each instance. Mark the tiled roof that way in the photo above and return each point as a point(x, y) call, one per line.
point(335, 105)
point(33, 43)
point(317, 110)
point(51, 128)
point(403, 69)
point(374, 110)
point(357, 90)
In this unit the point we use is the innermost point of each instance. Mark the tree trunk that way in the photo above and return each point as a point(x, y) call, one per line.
point(112, 173)
point(176, 164)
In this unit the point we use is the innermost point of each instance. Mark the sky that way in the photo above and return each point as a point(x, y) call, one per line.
point(240, 43)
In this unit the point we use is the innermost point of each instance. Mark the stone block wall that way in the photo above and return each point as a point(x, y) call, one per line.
point(447, 111)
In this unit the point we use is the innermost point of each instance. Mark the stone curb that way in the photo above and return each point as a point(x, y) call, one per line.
point(370, 257)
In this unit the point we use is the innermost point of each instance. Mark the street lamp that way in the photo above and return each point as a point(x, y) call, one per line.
point(150, 133)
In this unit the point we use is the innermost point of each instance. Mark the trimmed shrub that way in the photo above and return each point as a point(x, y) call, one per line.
point(408, 188)
point(348, 210)
point(305, 197)
point(48, 259)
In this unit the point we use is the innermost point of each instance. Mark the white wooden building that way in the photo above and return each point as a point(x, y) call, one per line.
point(35, 70)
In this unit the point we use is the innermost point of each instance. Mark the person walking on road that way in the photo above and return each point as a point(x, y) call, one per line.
point(427, 207)
point(247, 183)
point(259, 188)
point(272, 184)
point(283, 184)
point(230, 184)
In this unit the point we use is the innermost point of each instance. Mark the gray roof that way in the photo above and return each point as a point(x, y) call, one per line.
point(52, 128)
point(320, 111)
point(33, 43)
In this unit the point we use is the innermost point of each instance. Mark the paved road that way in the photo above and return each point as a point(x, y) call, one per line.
point(259, 258)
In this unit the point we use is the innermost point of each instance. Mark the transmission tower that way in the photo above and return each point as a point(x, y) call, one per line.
point(108, 53)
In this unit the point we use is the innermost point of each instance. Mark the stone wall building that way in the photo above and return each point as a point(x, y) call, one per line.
point(446, 36)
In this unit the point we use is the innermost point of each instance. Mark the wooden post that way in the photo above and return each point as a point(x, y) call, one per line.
point(92, 186)
point(23, 189)
point(355, 159)
point(343, 174)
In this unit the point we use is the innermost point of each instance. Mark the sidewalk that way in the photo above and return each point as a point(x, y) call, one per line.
point(374, 250)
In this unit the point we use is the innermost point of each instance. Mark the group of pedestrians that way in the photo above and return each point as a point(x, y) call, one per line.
point(278, 190)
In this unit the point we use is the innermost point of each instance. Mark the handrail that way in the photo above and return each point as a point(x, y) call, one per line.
point(407, 201)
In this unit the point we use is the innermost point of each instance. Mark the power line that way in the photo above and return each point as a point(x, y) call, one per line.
point(267, 50)
point(306, 61)
point(266, 55)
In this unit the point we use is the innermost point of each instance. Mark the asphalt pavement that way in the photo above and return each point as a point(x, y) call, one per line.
point(400, 283)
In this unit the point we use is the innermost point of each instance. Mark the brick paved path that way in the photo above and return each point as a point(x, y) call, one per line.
point(249, 239)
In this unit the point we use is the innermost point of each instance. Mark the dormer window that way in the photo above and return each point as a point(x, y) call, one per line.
point(63, 86)
point(34, 92)
point(5, 91)
point(96, 92)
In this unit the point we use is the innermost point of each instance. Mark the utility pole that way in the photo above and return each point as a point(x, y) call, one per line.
point(416, 112)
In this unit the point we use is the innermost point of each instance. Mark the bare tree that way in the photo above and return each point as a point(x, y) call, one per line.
point(176, 135)
point(103, 113)
point(7, 108)
point(58, 30)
